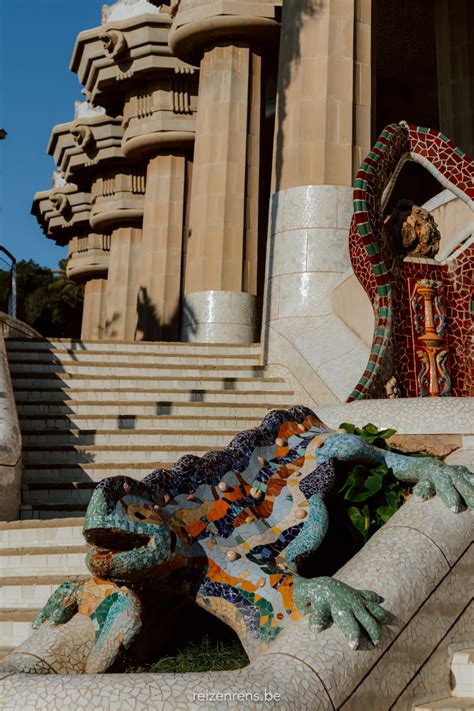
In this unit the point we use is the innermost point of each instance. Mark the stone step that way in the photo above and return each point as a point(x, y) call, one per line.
point(122, 408)
point(64, 496)
point(84, 475)
point(462, 671)
point(229, 397)
point(71, 384)
point(25, 597)
point(78, 348)
point(451, 703)
point(109, 368)
point(14, 631)
point(77, 454)
point(51, 513)
point(41, 423)
point(37, 562)
point(63, 533)
point(29, 594)
point(123, 437)
point(166, 360)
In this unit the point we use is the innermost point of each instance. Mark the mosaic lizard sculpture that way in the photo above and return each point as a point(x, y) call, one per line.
point(230, 528)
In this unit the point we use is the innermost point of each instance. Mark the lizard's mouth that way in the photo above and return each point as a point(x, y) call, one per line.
point(115, 539)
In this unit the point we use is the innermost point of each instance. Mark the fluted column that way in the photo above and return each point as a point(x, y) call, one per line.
point(324, 92)
point(223, 223)
point(121, 316)
point(93, 315)
point(322, 130)
point(161, 250)
point(455, 54)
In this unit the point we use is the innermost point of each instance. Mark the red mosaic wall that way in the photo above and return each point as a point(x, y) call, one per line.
point(387, 282)
point(458, 278)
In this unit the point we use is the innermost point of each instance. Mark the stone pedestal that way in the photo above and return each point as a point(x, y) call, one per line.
point(220, 317)
point(307, 259)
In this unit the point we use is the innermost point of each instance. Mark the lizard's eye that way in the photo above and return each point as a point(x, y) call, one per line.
point(143, 513)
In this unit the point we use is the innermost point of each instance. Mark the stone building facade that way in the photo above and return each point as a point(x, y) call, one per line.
point(205, 185)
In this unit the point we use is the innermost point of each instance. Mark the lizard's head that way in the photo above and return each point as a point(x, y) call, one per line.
point(128, 533)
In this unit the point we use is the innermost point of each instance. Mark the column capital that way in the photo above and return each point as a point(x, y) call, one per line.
point(160, 114)
point(88, 256)
point(79, 146)
point(110, 59)
point(62, 212)
point(200, 24)
point(117, 197)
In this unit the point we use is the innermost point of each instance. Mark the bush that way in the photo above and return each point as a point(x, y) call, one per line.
point(375, 490)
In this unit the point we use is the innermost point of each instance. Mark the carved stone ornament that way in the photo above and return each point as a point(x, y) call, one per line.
point(392, 388)
point(413, 230)
point(420, 234)
point(114, 42)
point(60, 202)
point(82, 135)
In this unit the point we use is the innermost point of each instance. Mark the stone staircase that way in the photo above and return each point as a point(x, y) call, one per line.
point(89, 410)
point(462, 679)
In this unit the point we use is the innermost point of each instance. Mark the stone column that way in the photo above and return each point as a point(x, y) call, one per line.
point(324, 92)
point(121, 316)
point(455, 64)
point(322, 130)
point(64, 215)
point(93, 315)
point(219, 240)
point(161, 250)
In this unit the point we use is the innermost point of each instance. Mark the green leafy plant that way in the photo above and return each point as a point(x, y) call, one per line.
point(376, 489)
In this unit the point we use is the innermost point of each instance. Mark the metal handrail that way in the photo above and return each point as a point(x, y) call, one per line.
point(12, 293)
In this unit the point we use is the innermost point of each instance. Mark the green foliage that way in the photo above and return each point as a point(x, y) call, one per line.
point(48, 301)
point(208, 655)
point(375, 487)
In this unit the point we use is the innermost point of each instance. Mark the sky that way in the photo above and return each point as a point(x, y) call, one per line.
point(37, 91)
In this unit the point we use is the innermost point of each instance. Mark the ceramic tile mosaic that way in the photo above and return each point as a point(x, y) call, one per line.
point(372, 260)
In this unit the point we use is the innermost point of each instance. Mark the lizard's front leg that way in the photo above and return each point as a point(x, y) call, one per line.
point(259, 607)
point(453, 484)
point(80, 629)
point(353, 611)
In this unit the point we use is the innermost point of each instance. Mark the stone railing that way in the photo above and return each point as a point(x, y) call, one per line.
point(10, 437)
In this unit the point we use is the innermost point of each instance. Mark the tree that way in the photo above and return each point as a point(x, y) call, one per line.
point(48, 301)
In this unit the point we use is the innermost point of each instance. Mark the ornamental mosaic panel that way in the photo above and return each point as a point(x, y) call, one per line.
point(393, 345)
